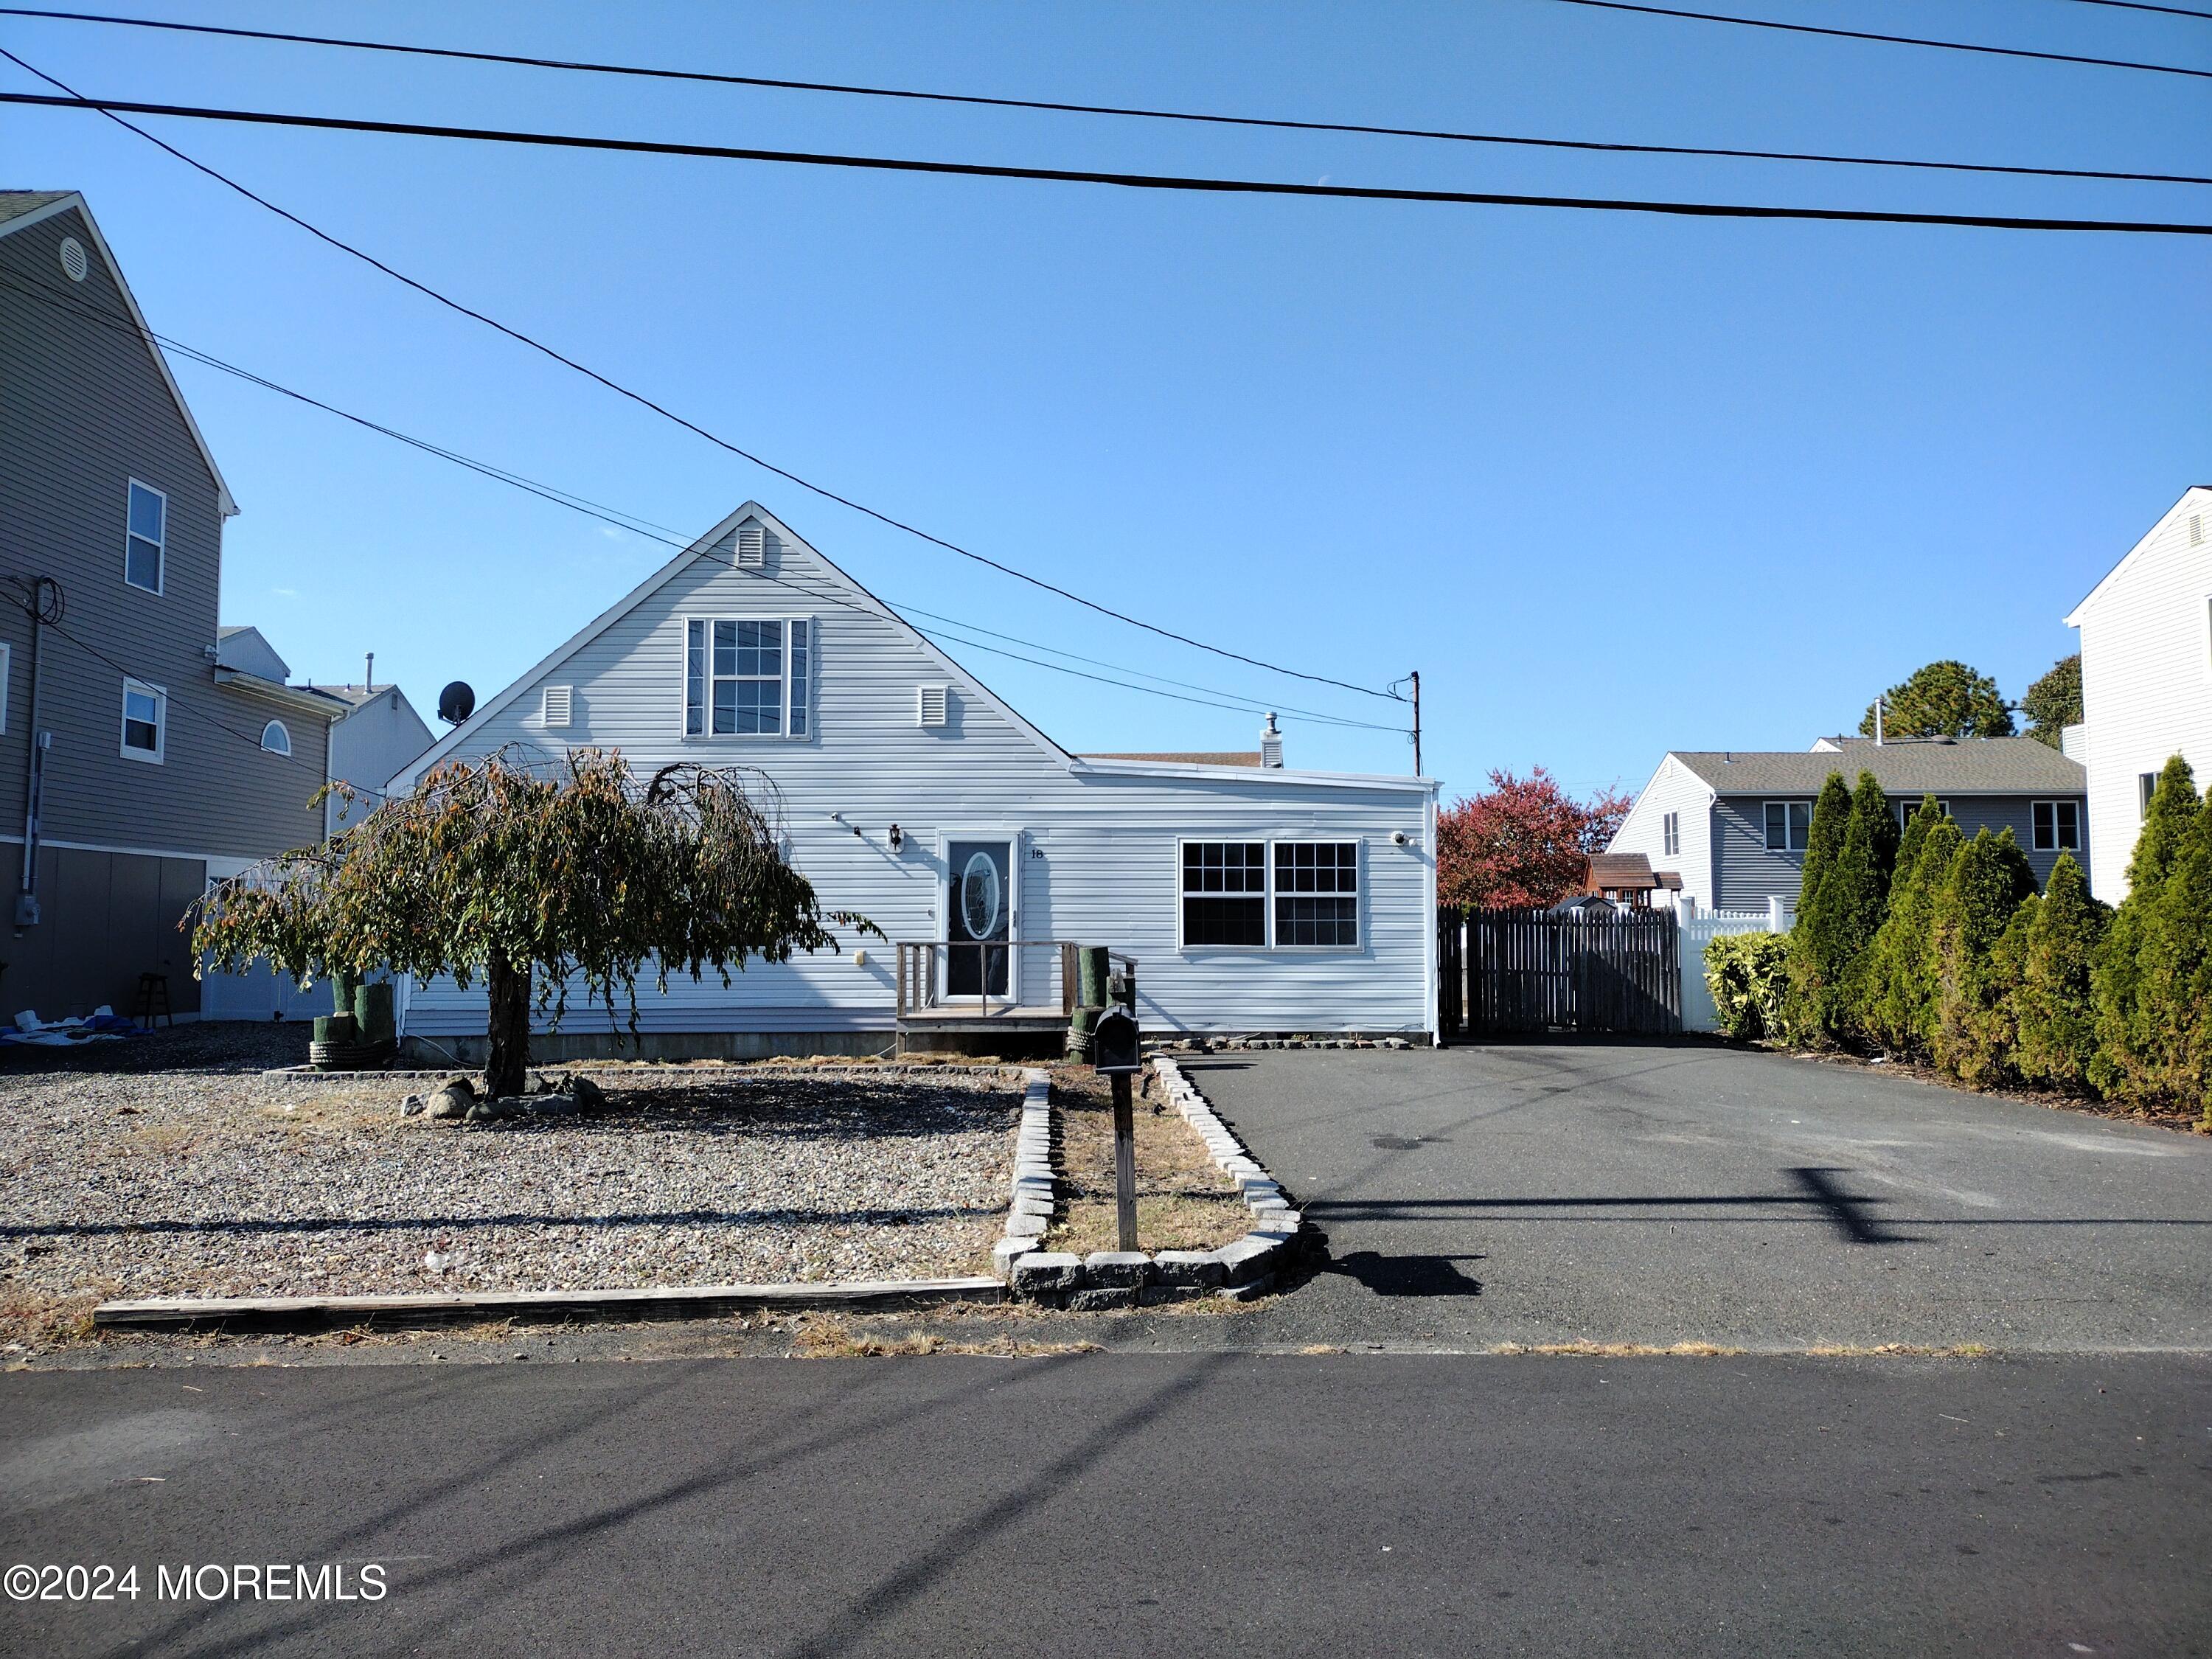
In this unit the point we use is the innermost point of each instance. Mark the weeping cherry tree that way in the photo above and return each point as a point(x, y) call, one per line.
point(530, 878)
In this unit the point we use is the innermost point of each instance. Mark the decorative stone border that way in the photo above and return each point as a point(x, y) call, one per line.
point(1105, 1279)
point(1223, 1040)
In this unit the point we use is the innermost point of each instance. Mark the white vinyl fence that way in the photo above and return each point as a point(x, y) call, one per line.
point(1698, 931)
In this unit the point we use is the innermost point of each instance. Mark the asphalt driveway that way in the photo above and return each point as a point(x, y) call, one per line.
point(1547, 1193)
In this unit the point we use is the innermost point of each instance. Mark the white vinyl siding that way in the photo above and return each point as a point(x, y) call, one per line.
point(145, 537)
point(145, 721)
point(2146, 681)
point(1098, 850)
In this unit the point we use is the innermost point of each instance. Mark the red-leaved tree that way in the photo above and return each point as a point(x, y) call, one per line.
point(1521, 843)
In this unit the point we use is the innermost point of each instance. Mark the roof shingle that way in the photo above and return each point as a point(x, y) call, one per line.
point(1985, 766)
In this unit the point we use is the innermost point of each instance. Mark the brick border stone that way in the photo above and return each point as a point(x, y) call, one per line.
point(1107, 1279)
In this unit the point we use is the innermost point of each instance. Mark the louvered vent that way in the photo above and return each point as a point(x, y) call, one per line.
point(2196, 530)
point(929, 705)
point(559, 704)
point(752, 546)
point(73, 260)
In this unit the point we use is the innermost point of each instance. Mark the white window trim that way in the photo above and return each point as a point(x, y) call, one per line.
point(784, 619)
point(2057, 846)
point(161, 578)
point(161, 695)
point(283, 732)
point(1786, 803)
point(1268, 895)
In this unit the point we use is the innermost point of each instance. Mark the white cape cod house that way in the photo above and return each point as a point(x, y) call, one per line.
point(1253, 898)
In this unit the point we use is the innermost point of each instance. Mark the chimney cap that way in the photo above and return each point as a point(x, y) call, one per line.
point(1271, 744)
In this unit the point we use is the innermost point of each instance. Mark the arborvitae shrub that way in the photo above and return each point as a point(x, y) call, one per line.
point(2057, 1014)
point(1747, 975)
point(2128, 1063)
point(1896, 995)
point(2174, 983)
point(1989, 880)
point(1813, 943)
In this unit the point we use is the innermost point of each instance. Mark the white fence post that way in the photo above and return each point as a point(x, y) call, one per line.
point(1777, 916)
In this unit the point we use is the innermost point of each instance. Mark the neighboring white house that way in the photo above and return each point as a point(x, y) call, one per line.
point(1253, 897)
point(2146, 679)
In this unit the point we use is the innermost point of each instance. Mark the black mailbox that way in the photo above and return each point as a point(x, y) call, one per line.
point(1114, 1041)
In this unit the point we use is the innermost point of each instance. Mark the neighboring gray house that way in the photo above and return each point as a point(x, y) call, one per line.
point(157, 757)
point(1254, 897)
point(2146, 677)
point(1733, 823)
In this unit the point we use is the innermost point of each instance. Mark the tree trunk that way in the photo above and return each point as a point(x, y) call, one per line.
point(508, 1065)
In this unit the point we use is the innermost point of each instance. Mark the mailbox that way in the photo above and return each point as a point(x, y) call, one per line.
point(1114, 1042)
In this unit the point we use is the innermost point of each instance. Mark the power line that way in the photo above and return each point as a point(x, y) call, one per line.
point(1055, 106)
point(2144, 5)
point(1889, 39)
point(645, 401)
point(650, 532)
point(1068, 176)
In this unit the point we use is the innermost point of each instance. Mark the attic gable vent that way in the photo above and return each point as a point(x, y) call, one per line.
point(2196, 530)
point(73, 260)
point(559, 704)
point(929, 704)
point(752, 546)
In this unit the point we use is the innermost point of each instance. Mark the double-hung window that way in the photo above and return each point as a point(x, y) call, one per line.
point(146, 534)
point(747, 676)
point(1670, 835)
point(1282, 895)
point(1789, 825)
point(145, 720)
point(2057, 824)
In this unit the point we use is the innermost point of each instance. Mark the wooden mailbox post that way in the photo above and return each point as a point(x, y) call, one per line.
point(1115, 1052)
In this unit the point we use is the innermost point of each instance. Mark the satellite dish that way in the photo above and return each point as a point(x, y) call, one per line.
point(456, 702)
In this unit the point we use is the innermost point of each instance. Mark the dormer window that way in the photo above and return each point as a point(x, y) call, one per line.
point(747, 676)
point(145, 537)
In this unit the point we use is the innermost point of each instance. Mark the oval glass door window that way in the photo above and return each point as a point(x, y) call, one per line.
point(979, 896)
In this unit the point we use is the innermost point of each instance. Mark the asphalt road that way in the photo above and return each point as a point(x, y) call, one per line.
point(1544, 1193)
point(1132, 1504)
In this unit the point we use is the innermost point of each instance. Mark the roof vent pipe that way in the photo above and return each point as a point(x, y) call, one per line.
point(1271, 745)
point(1877, 722)
point(369, 673)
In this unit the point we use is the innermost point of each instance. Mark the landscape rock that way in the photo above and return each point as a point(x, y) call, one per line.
point(453, 1100)
point(1045, 1273)
point(589, 1097)
point(413, 1106)
point(1113, 1269)
point(1197, 1268)
point(1103, 1301)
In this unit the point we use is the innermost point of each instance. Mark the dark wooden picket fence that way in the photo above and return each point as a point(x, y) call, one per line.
point(1530, 971)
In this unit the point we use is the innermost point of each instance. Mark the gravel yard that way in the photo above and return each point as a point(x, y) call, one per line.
point(208, 1179)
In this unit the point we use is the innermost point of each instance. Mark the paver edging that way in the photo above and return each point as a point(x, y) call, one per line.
point(1107, 1279)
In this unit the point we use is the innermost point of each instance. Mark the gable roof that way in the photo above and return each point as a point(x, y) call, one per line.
point(704, 548)
point(1970, 766)
point(2197, 497)
point(1619, 872)
point(21, 208)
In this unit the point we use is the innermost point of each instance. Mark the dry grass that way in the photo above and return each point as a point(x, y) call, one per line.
point(829, 1337)
point(31, 1320)
point(1184, 1202)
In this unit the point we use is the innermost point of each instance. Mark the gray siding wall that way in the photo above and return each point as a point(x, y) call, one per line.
point(109, 917)
point(83, 410)
point(1098, 860)
point(1750, 875)
point(377, 739)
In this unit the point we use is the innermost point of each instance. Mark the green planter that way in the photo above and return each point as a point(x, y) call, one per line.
point(373, 1013)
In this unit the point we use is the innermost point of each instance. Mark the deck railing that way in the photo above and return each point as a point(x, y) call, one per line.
point(925, 973)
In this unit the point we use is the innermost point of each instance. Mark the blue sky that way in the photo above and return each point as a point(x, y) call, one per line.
point(1614, 484)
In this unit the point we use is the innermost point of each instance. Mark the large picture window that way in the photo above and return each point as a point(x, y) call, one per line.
point(1282, 895)
point(747, 676)
point(1789, 825)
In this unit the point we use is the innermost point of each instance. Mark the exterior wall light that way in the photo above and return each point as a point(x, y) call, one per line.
point(897, 838)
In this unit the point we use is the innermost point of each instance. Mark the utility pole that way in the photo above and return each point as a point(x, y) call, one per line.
point(1417, 722)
